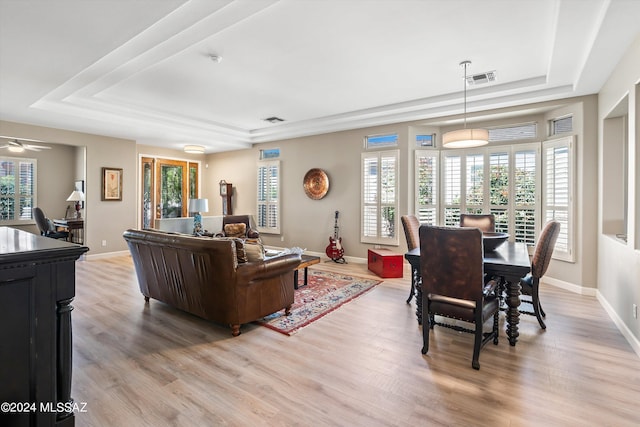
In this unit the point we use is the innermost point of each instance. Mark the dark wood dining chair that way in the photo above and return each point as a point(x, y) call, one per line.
point(411, 226)
point(451, 264)
point(530, 284)
point(485, 222)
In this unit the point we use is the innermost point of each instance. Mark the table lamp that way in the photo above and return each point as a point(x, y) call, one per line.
point(76, 196)
point(197, 206)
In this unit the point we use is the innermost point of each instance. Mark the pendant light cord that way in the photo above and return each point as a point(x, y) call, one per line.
point(464, 88)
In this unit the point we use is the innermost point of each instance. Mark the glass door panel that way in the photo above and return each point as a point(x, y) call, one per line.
point(171, 188)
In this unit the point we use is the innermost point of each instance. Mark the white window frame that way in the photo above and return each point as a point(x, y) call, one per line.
point(18, 219)
point(486, 152)
point(377, 204)
point(421, 209)
point(563, 251)
point(271, 201)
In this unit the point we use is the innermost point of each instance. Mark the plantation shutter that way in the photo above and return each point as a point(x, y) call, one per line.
point(526, 185)
point(17, 189)
point(452, 180)
point(379, 197)
point(499, 188)
point(426, 169)
point(268, 191)
point(558, 166)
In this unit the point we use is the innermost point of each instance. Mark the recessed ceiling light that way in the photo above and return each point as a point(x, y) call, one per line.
point(194, 149)
point(274, 119)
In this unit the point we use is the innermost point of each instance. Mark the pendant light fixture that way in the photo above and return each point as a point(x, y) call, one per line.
point(465, 138)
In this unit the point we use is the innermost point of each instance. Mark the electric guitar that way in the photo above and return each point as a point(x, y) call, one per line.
point(334, 250)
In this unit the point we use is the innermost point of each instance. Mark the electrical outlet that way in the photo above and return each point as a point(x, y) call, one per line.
point(282, 238)
point(635, 311)
point(104, 243)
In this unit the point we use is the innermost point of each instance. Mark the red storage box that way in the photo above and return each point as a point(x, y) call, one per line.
point(385, 263)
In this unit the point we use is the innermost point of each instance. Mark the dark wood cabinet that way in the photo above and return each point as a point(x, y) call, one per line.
point(37, 285)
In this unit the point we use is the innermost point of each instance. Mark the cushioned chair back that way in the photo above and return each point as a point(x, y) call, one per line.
point(544, 249)
point(451, 262)
point(411, 227)
point(41, 220)
point(236, 219)
point(485, 222)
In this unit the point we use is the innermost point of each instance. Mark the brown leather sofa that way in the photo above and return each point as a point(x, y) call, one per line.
point(206, 277)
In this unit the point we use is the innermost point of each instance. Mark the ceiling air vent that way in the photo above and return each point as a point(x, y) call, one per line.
point(274, 119)
point(482, 78)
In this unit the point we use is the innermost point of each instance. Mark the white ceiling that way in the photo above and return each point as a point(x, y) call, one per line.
point(141, 69)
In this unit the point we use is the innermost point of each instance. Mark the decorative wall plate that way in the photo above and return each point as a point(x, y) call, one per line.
point(316, 183)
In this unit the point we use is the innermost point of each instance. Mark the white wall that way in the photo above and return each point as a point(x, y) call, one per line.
point(103, 220)
point(619, 262)
point(309, 223)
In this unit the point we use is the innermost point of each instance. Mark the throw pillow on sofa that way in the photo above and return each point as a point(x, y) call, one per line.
point(235, 229)
point(254, 250)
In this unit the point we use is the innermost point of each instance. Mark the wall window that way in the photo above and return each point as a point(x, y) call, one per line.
point(558, 167)
point(513, 132)
point(380, 197)
point(268, 191)
point(427, 193)
point(376, 142)
point(501, 180)
point(561, 125)
point(17, 189)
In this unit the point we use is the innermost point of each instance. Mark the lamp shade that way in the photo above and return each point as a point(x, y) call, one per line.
point(198, 205)
point(465, 138)
point(76, 196)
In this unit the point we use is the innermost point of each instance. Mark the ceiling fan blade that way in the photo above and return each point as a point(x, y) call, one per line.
point(36, 147)
point(13, 138)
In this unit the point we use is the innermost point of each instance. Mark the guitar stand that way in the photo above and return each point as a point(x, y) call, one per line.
point(340, 260)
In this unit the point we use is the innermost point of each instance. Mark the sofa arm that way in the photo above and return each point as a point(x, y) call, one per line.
point(268, 268)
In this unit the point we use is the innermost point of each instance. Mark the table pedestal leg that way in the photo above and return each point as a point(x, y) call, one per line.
point(419, 300)
point(513, 315)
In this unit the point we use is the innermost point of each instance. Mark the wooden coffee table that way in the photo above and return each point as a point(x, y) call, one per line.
point(305, 262)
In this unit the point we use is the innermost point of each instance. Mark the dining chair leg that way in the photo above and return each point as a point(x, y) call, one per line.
point(535, 298)
point(425, 338)
point(414, 277)
point(477, 344)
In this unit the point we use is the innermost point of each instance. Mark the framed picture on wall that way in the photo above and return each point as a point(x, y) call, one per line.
point(111, 184)
point(79, 186)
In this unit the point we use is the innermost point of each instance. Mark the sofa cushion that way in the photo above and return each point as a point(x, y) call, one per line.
point(241, 253)
point(254, 250)
point(235, 230)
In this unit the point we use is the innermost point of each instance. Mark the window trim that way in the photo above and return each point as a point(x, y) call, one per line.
point(34, 194)
point(378, 239)
point(511, 207)
point(569, 142)
point(268, 202)
point(436, 206)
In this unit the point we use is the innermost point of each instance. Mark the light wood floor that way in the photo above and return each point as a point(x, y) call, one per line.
point(138, 364)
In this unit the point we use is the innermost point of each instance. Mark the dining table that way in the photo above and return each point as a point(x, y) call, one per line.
point(508, 263)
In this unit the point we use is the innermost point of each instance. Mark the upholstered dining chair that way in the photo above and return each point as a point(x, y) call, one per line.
point(411, 226)
point(530, 284)
point(485, 222)
point(46, 226)
point(230, 227)
point(452, 267)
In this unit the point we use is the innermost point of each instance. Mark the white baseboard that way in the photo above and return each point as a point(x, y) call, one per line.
point(626, 332)
point(107, 255)
point(571, 287)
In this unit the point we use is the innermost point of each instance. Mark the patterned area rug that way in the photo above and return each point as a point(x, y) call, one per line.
point(324, 293)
